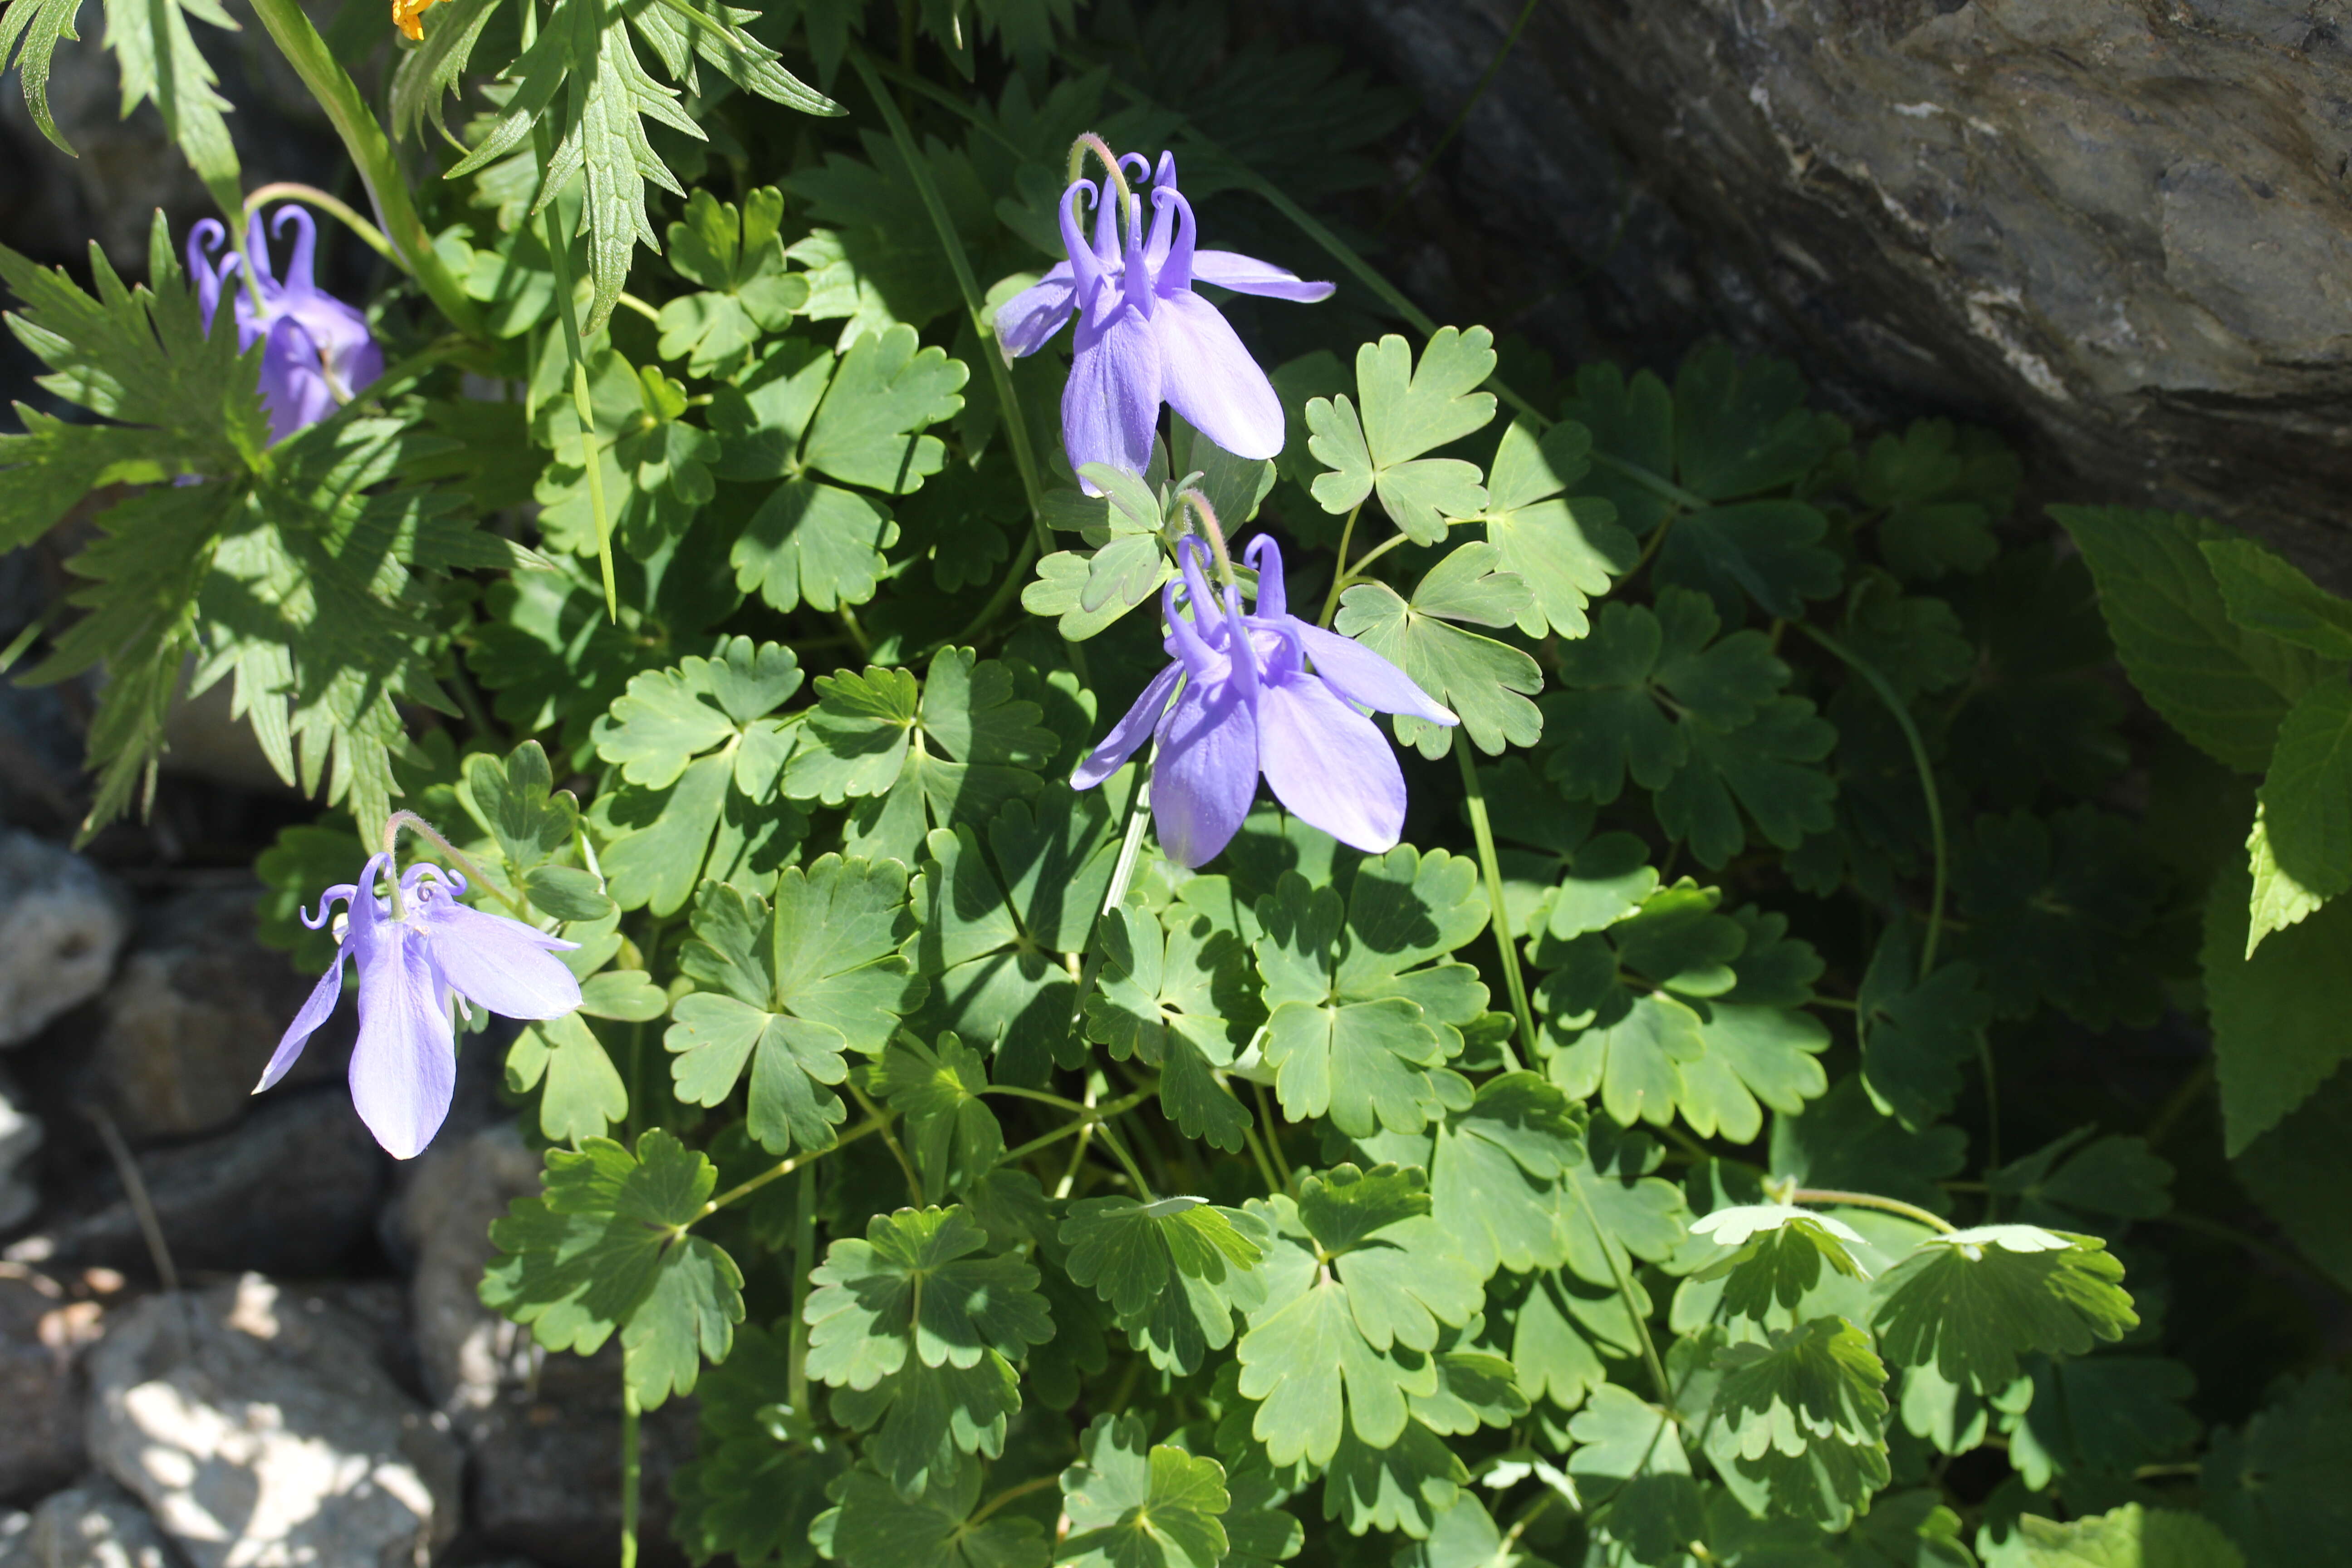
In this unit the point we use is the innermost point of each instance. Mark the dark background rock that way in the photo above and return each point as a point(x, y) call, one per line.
point(40, 1399)
point(2118, 225)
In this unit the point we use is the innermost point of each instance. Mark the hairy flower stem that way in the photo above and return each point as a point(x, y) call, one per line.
point(1016, 423)
point(371, 153)
point(1206, 515)
point(433, 835)
point(1113, 175)
point(632, 1475)
point(1491, 864)
point(335, 206)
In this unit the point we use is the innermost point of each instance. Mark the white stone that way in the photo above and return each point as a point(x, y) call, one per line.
point(260, 1432)
point(20, 1134)
point(60, 927)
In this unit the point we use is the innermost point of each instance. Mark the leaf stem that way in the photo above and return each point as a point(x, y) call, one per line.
point(1902, 713)
point(371, 152)
point(897, 1149)
point(1099, 1114)
point(632, 1474)
point(1614, 1254)
point(2193, 1087)
point(799, 1162)
point(1830, 1197)
point(335, 206)
point(804, 1260)
point(1013, 1494)
point(1272, 1138)
point(1490, 864)
point(1339, 568)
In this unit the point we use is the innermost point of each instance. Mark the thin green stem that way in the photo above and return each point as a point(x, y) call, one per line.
point(1902, 713)
point(1257, 1151)
point(334, 207)
point(1340, 567)
point(583, 406)
point(1651, 481)
point(632, 1475)
point(1044, 1097)
point(1016, 423)
point(372, 154)
point(2193, 1089)
point(431, 835)
point(897, 1149)
point(1008, 587)
point(1108, 1108)
point(1198, 504)
point(1273, 1136)
point(1118, 1152)
point(1086, 1126)
point(1454, 129)
point(1490, 864)
point(803, 1260)
point(800, 1162)
point(1014, 1494)
point(1650, 1361)
point(1832, 1197)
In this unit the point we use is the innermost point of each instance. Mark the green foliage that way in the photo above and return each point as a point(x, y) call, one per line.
point(1132, 1508)
point(2275, 1485)
point(1803, 1411)
point(1486, 683)
point(1407, 410)
point(1974, 1300)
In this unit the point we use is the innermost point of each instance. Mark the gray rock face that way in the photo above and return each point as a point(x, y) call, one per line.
point(2122, 219)
point(289, 1190)
point(60, 927)
point(94, 1525)
point(260, 1432)
point(544, 1432)
point(192, 1019)
point(40, 1334)
point(20, 1134)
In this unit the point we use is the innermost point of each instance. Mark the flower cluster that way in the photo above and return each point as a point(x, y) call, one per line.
point(317, 351)
point(1144, 337)
point(414, 952)
point(1263, 692)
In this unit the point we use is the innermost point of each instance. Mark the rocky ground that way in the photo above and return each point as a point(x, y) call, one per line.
point(291, 1368)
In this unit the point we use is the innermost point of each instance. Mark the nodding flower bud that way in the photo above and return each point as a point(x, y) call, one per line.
point(1144, 337)
point(318, 352)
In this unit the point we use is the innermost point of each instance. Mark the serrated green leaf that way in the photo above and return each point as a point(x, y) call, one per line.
point(1486, 683)
point(1133, 1507)
point(1631, 1451)
point(2306, 813)
point(1774, 1255)
point(1497, 1171)
point(1842, 1140)
point(753, 1488)
point(604, 1249)
point(787, 989)
point(2277, 1017)
point(1942, 487)
point(1407, 410)
point(2297, 1168)
point(1804, 1412)
point(1974, 1300)
point(2112, 1178)
point(2056, 908)
point(2094, 1420)
point(2225, 687)
point(2266, 593)
point(2276, 1484)
point(2131, 1536)
point(1174, 1270)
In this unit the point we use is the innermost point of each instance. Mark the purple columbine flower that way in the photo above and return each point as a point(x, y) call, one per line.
point(404, 1067)
point(1251, 704)
point(317, 353)
point(1144, 337)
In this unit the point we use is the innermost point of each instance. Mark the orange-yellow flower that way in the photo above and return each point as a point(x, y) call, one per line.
point(406, 15)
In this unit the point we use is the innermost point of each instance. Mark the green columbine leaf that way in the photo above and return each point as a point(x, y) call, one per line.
point(1487, 684)
point(951, 750)
point(586, 56)
point(1630, 1452)
point(1341, 1348)
point(787, 989)
point(1361, 1015)
point(990, 934)
point(582, 1091)
point(2132, 1536)
point(1174, 1270)
point(800, 413)
point(746, 290)
point(1916, 641)
point(1499, 1171)
point(1918, 1035)
point(1183, 996)
point(604, 1247)
point(2057, 909)
point(1731, 741)
point(755, 1483)
point(1974, 1300)
point(1130, 1507)
point(2065, 1181)
point(1804, 1412)
point(918, 1334)
point(532, 823)
point(1773, 1255)
point(947, 1126)
point(2306, 821)
point(1407, 410)
point(699, 750)
point(1939, 488)
point(1566, 549)
point(2276, 1484)
point(1402, 1487)
point(879, 1525)
point(1842, 1140)
point(2223, 687)
point(2095, 1420)
point(1466, 1536)
point(655, 465)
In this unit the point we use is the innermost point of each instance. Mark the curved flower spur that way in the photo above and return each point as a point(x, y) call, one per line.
point(415, 951)
point(317, 351)
point(1251, 704)
point(1144, 337)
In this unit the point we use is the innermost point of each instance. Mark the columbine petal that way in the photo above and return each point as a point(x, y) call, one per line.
point(1130, 732)
point(1248, 275)
point(293, 390)
point(1362, 677)
point(317, 1008)
point(1206, 773)
point(1329, 765)
point(1208, 378)
point(205, 240)
point(404, 1066)
point(496, 963)
point(1112, 401)
point(1265, 558)
point(1028, 321)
